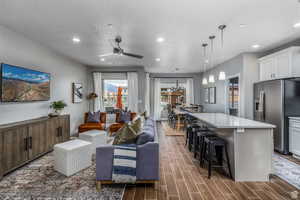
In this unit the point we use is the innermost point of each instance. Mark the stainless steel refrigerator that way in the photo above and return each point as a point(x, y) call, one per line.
point(274, 102)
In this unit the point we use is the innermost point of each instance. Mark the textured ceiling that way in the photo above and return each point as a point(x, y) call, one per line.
point(184, 25)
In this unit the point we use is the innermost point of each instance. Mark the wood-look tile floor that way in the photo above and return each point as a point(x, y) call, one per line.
point(181, 178)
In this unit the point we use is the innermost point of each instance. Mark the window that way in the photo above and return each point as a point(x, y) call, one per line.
point(110, 92)
point(233, 97)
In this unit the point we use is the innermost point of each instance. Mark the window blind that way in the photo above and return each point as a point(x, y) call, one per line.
point(114, 76)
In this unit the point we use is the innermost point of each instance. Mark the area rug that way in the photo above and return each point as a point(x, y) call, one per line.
point(287, 170)
point(39, 180)
point(170, 131)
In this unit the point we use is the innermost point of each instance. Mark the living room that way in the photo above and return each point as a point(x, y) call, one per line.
point(107, 100)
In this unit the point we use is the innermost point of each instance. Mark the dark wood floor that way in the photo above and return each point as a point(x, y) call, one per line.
point(182, 178)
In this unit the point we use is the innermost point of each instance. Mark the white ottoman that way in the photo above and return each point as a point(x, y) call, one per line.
point(72, 156)
point(96, 137)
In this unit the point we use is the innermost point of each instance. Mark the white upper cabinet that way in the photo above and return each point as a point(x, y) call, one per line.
point(267, 69)
point(282, 64)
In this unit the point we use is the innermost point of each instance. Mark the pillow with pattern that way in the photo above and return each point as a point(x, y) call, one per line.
point(125, 136)
point(93, 117)
point(125, 117)
point(136, 125)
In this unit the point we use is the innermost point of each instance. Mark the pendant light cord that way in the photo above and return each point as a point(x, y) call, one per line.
point(212, 37)
point(204, 45)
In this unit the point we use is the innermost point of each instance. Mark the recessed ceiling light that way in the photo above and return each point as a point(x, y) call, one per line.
point(297, 25)
point(242, 25)
point(102, 59)
point(157, 59)
point(76, 39)
point(255, 46)
point(160, 39)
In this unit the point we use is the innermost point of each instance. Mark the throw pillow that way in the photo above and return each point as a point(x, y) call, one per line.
point(117, 135)
point(136, 125)
point(149, 123)
point(144, 137)
point(93, 117)
point(144, 115)
point(110, 118)
point(125, 117)
point(126, 136)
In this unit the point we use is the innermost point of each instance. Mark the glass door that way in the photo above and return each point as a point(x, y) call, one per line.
point(233, 96)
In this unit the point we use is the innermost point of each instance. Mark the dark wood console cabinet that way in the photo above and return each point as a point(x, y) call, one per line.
point(24, 141)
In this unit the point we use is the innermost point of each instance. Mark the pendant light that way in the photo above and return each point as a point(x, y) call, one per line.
point(211, 78)
point(204, 80)
point(222, 75)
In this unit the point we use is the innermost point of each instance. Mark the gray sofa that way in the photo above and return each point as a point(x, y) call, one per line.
point(147, 165)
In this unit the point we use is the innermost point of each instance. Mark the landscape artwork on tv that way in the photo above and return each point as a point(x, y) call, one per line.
point(23, 85)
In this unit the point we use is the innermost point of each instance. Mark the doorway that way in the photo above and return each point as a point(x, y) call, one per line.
point(233, 89)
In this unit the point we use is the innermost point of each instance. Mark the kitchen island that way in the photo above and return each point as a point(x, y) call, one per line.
point(249, 142)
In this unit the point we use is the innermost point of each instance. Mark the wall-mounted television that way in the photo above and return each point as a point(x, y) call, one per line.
point(19, 84)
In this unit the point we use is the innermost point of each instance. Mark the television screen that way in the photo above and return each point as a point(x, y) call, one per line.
point(23, 85)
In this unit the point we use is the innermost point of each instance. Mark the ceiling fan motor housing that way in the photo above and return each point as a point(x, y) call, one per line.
point(118, 39)
point(117, 50)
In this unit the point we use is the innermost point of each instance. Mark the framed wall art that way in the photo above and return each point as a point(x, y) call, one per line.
point(77, 92)
point(212, 95)
point(206, 95)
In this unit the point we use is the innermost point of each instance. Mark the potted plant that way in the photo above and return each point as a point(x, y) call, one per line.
point(57, 106)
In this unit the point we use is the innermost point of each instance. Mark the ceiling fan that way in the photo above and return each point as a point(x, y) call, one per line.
point(117, 50)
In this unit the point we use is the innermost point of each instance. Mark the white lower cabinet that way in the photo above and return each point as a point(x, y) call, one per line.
point(294, 136)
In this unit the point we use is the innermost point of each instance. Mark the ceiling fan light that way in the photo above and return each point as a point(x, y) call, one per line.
point(222, 76)
point(211, 79)
point(204, 81)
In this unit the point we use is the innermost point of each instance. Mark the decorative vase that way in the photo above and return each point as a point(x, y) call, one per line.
point(57, 112)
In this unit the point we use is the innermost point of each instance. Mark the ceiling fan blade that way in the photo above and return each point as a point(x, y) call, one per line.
point(106, 54)
point(132, 55)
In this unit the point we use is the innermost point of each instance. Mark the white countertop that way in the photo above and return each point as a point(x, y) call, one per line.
point(220, 120)
point(295, 118)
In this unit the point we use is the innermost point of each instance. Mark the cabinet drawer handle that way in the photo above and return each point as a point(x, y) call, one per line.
point(30, 142)
point(26, 144)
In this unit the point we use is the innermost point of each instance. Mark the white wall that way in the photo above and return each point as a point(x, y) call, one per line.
point(251, 74)
point(18, 50)
point(246, 67)
point(231, 67)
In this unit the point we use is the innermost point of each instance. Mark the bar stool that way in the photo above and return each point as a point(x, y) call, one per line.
point(213, 152)
point(200, 141)
point(189, 129)
point(196, 139)
point(190, 135)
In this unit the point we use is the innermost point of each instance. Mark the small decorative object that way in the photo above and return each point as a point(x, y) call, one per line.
point(92, 96)
point(57, 106)
point(77, 92)
point(206, 95)
point(212, 95)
